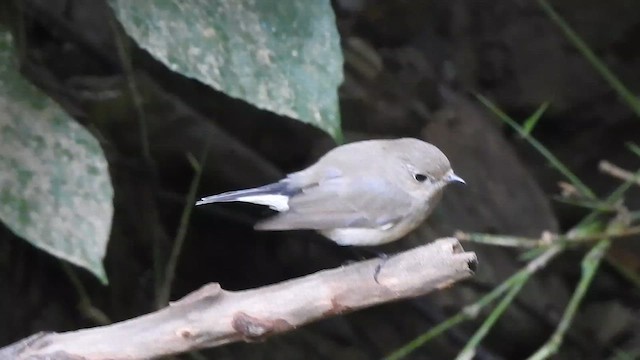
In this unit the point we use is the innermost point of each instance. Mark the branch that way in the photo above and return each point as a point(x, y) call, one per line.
point(212, 316)
point(618, 172)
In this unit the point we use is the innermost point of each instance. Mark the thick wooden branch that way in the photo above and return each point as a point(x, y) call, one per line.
point(212, 317)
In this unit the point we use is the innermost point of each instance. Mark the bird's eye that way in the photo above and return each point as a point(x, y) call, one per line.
point(420, 177)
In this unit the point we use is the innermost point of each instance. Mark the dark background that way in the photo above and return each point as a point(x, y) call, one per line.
point(411, 69)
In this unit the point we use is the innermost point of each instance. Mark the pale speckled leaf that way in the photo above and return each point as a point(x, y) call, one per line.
point(55, 189)
point(280, 55)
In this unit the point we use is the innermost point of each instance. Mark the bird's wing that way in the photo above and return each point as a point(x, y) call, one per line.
point(343, 202)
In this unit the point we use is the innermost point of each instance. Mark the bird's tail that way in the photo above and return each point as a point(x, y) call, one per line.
point(275, 195)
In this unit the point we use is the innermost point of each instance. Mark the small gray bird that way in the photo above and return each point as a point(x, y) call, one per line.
point(363, 193)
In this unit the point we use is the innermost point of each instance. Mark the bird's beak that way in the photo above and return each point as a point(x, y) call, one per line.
point(451, 177)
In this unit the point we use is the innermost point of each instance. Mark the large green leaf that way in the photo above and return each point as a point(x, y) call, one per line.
point(280, 55)
point(55, 189)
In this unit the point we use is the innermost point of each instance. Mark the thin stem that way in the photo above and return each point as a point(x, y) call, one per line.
point(582, 187)
point(85, 305)
point(164, 292)
point(618, 172)
point(629, 273)
point(499, 240)
point(590, 264)
point(469, 350)
point(634, 148)
point(611, 200)
point(628, 96)
point(524, 242)
point(136, 96)
point(585, 203)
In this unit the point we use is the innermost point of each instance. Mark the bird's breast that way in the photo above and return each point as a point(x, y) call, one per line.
point(368, 236)
point(383, 234)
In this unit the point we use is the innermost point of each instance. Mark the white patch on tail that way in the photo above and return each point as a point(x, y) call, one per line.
point(276, 202)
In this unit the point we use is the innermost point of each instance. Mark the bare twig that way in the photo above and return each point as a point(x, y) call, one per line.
point(212, 317)
point(618, 172)
point(530, 243)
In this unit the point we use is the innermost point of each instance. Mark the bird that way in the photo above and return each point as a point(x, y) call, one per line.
point(363, 193)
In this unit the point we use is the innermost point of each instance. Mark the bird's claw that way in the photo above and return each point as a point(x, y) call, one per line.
point(383, 259)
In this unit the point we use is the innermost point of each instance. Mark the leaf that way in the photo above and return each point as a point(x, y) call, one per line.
point(531, 121)
point(280, 55)
point(55, 190)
